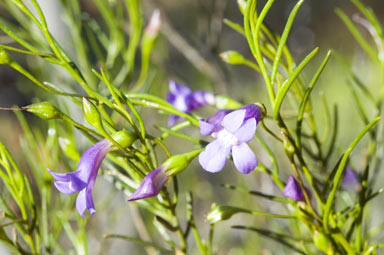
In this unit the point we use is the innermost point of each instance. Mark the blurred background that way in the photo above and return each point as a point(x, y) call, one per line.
point(192, 37)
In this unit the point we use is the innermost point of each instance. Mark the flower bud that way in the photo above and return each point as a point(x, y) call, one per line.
point(242, 5)
point(322, 242)
point(179, 162)
point(124, 138)
point(293, 190)
point(44, 110)
point(288, 146)
point(5, 58)
point(221, 212)
point(224, 102)
point(232, 57)
point(153, 27)
point(92, 115)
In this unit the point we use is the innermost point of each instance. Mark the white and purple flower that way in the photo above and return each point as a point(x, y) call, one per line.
point(293, 190)
point(84, 178)
point(184, 100)
point(233, 129)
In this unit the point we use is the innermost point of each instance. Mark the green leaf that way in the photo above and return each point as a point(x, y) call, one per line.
point(287, 84)
point(340, 171)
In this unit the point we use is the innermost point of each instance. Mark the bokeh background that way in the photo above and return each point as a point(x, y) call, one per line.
point(192, 37)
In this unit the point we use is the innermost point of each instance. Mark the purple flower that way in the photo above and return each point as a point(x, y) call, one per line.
point(151, 185)
point(84, 178)
point(233, 129)
point(351, 180)
point(184, 100)
point(293, 190)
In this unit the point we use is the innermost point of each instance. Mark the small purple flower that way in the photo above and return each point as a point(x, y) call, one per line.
point(293, 190)
point(233, 129)
point(84, 178)
point(151, 185)
point(184, 100)
point(351, 180)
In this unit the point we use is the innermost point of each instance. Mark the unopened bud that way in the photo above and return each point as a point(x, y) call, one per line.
point(232, 57)
point(224, 102)
point(92, 115)
point(179, 162)
point(44, 110)
point(5, 58)
point(242, 5)
point(124, 138)
point(222, 212)
point(288, 146)
point(153, 27)
point(322, 242)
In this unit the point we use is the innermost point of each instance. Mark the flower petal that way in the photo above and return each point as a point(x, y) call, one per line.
point(200, 98)
point(213, 158)
point(246, 132)
point(91, 159)
point(173, 119)
point(151, 185)
point(218, 117)
point(89, 200)
point(244, 158)
point(205, 127)
point(293, 190)
point(178, 89)
point(252, 111)
point(81, 203)
point(233, 120)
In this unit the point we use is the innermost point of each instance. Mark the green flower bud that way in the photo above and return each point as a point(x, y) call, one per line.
point(151, 32)
point(5, 58)
point(242, 5)
point(221, 212)
point(288, 146)
point(124, 138)
point(92, 115)
point(44, 110)
point(180, 162)
point(322, 242)
point(224, 102)
point(232, 57)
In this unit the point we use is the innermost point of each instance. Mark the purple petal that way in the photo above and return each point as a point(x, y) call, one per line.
point(350, 178)
point(213, 158)
point(84, 201)
point(151, 185)
point(246, 132)
point(252, 111)
point(218, 117)
point(171, 98)
point(173, 119)
point(178, 89)
point(244, 158)
point(70, 187)
point(200, 98)
point(206, 128)
point(89, 199)
point(91, 159)
point(81, 202)
point(233, 120)
point(293, 190)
